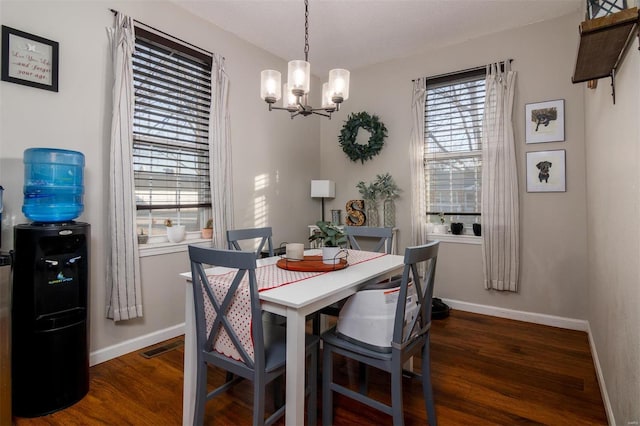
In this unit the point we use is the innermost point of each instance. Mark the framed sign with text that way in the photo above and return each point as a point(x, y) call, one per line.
point(29, 59)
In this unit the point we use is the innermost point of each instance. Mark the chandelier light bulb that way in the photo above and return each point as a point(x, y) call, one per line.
point(339, 84)
point(270, 86)
point(327, 103)
point(289, 101)
point(298, 77)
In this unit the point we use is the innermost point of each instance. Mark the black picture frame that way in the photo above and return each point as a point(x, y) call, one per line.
point(29, 59)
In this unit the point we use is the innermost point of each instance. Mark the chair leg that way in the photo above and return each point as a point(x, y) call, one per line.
point(396, 396)
point(327, 380)
point(427, 388)
point(312, 406)
point(316, 323)
point(363, 378)
point(201, 393)
point(259, 392)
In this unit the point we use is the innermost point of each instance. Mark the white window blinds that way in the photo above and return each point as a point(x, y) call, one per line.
point(453, 152)
point(171, 117)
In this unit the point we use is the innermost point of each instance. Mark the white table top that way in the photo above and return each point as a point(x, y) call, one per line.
point(310, 290)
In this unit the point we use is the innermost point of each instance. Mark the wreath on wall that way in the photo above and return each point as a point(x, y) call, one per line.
point(349, 132)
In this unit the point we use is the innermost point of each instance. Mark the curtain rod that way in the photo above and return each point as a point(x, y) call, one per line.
point(468, 70)
point(169, 35)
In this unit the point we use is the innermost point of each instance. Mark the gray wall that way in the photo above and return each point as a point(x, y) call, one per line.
point(612, 138)
point(553, 252)
point(274, 157)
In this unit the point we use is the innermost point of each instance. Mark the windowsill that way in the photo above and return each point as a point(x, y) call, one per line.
point(457, 239)
point(159, 245)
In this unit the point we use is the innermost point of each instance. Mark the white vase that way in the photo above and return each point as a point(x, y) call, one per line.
point(439, 229)
point(175, 233)
point(330, 255)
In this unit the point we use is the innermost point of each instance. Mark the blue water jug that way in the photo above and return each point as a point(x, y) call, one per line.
point(53, 184)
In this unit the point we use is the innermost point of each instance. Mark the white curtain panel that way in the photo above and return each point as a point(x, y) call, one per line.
point(500, 223)
point(220, 154)
point(124, 294)
point(416, 158)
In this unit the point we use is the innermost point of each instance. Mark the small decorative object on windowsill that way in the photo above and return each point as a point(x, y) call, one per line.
point(175, 233)
point(477, 229)
point(457, 228)
point(440, 228)
point(142, 237)
point(332, 239)
point(370, 194)
point(207, 231)
point(389, 191)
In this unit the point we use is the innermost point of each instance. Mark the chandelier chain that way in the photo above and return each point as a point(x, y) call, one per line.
point(306, 30)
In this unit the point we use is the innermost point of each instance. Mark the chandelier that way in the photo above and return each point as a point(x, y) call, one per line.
point(296, 90)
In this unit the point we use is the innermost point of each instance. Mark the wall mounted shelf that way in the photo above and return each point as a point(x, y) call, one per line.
point(603, 42)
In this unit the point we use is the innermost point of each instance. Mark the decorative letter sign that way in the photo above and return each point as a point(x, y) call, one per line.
point(355, 213)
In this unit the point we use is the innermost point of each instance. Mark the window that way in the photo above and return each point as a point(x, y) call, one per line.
point(454, 109)
point(172, 86)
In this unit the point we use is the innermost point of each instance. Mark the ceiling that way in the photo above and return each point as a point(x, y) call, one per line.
point(356, 33)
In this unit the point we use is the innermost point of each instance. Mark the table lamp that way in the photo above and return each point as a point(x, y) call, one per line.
point(323, 189)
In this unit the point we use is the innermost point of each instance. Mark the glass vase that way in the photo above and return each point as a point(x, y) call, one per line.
point(389, 212)
point(371, 211)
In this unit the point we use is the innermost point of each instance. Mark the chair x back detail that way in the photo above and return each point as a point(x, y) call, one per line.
point(409, 339)
point(355, 234)
point(252, 350)
point(265, 234)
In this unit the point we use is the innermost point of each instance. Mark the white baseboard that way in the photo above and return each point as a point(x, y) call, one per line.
point(603, 389)
point(544, 319)
point(132, 345)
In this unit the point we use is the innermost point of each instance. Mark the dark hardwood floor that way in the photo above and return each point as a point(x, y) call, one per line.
point(485, 370)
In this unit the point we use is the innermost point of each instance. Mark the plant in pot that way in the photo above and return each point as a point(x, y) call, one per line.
point(442, 227)
point(332, 238)
point(388, 191)
point(175, 233)
point(142, 237)
point(207, 231)
point(369, 193)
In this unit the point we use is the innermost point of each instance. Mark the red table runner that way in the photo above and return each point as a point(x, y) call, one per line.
point(267, 277)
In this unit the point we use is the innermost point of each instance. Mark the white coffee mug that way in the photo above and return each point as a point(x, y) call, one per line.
point(295, 251)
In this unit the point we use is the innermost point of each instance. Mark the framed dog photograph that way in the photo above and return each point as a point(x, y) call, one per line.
point(546, 171)
point(544, 121)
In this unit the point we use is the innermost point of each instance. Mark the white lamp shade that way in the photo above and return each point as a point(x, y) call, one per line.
point(323, 189)
point(270, 85)
point(326, 97)
point(339, 84)
point(289, 99)
point(299, 76)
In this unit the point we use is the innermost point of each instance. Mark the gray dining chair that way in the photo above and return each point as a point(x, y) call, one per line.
point(265, 234)
point(410, 337)
point(380, 239)
point(269, 340)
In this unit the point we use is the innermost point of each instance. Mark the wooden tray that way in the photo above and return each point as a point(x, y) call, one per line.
point(310, 264)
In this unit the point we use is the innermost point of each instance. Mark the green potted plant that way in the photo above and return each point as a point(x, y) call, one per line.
point(207, 231)
point(388, 191)
point(332, 238)
point(142, 237)
point(370, 193)
point(175, 233)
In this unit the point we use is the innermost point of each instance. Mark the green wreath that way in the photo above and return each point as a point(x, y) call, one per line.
point(349, 132)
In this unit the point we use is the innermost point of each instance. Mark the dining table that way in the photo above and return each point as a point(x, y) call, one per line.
point(293, 300)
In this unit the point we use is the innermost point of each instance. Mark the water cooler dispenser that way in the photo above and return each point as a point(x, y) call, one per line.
point(50, 350)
